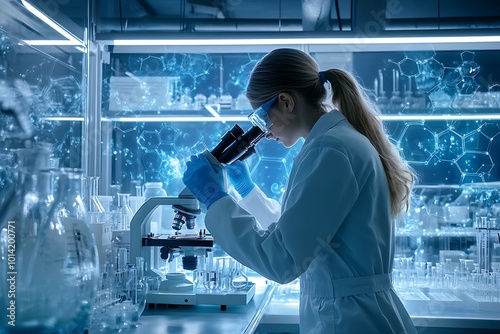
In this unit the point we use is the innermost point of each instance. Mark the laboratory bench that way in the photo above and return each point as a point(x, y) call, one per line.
point(282, 316)
point(275, 309)
point(201, 319)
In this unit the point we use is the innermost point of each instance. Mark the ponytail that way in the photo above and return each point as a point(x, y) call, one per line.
point(353, 103)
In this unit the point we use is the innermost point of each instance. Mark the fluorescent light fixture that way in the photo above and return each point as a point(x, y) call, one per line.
point(54, 25)
point(310, 41)
point(245, 118)
point(189, 119)
point(63, 118)
point(177, 119)
point(51, 42)
point(440, 117)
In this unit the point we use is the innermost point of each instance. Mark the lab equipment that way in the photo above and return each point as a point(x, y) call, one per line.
point(122, 297)
point(90, 196)
point(49, 248)
point(124, 213)
point(52, 254)
point(235, 144)
point(197, 251)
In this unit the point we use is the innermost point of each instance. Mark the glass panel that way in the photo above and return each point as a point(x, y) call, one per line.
point(440, 108)
point(43, 81)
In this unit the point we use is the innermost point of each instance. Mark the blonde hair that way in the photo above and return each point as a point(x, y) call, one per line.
point(294, 71)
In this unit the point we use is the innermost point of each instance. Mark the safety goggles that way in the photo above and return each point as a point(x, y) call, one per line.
point(260, 118)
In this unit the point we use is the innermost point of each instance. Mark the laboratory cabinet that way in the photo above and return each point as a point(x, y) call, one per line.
point(129, 113)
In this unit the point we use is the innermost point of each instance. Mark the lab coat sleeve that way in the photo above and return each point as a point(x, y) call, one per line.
point(320, 196)
point(266, 210)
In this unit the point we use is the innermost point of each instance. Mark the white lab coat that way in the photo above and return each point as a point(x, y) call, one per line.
point(335, 232)
point(264, 209)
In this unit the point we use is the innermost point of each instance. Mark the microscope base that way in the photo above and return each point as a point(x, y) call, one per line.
point(236, 297)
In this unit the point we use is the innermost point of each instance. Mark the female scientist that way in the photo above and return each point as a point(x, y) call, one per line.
point(346, 187)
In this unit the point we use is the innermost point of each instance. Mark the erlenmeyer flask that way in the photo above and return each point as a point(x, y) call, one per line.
point(52, 275)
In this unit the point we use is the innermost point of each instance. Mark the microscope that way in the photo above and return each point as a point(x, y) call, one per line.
point(175, 288)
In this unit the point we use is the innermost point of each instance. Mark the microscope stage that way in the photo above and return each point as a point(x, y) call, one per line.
point(188, 240)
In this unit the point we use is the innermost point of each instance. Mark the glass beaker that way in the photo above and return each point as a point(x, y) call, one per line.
point(53, 273)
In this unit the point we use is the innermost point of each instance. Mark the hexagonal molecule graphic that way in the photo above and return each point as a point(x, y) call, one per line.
point(475, 164)
point(409, 67)
point(468, 67)
point(450, 145)
point(126, 127)
point(152, 65)
point(420, 56)
point(151, 160)
point(167, 134)
point(149, 140)
point(431, 72)
point(418, 143)
point(481, 139)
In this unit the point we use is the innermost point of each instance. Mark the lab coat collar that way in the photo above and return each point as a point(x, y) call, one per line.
point(325, 123)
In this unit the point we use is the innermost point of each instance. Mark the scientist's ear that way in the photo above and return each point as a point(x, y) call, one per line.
point(286, 102)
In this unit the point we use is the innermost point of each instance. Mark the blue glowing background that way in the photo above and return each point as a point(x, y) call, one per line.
point(429, 83)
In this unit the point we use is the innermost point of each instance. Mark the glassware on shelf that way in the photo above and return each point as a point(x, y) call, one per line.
point(186, 101)
point(91, 199)
point(199, 101)
point(408, 99)
point(396, 102)
point(382, 100)
point(156, 223)
point(212, 99)
point(124, 213)
point(225, 101)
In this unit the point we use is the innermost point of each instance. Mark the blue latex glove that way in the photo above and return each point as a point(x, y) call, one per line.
point(239, 175)
point(206, 181)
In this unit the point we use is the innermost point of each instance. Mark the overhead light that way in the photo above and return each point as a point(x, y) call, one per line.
point(51, 42)
point(71, 40)
point(177, 119)
point(439, 117)
point(311, 41)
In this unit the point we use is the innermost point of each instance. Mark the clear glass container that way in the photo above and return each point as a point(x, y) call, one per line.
point(50, 277)
point(124, 213)
point(158, 222)
point(91, 195)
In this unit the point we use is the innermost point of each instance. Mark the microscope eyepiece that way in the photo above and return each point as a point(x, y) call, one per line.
point(227, 139)
point(239, 147)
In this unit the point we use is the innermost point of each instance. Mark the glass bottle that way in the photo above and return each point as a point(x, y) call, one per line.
point(124, 213)
point(53, 273)
point(155, 189)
